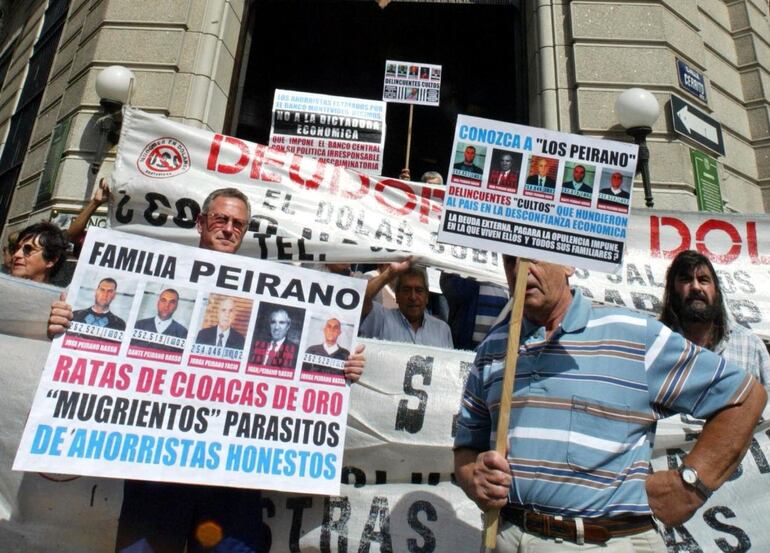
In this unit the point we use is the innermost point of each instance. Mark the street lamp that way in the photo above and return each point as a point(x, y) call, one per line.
point(113, 85)
point(637, 110)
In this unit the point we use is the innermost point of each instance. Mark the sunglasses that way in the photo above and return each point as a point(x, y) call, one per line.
point(27, 250)
point(220, 220)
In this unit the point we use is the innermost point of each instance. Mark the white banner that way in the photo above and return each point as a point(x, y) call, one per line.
point(396, 494)
point(349, 132)
point(537, 193)
point(222, 393)
point(409, 82)
point(302, 209)
point(738, 246)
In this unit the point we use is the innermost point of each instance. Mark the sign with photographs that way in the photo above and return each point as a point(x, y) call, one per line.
point(408, 82)
point(303, 209)
point(538, 194)
point(196, 366)
point(349, 132)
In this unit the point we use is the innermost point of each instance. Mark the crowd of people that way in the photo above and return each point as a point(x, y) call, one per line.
point(591, 382)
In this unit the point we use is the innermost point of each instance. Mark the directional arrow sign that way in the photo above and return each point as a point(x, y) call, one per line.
point(691, 122)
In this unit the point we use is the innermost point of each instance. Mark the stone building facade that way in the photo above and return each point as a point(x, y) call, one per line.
point(186, 55)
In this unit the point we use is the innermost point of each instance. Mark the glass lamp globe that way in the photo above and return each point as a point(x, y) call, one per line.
point(114, 83)
point(637, 107)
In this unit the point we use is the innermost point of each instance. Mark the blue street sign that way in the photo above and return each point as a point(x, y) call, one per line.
point(691, 80)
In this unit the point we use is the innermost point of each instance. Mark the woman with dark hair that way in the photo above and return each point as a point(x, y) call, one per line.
point(40, 252)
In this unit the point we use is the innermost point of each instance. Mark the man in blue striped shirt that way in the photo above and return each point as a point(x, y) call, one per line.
point(591, 382)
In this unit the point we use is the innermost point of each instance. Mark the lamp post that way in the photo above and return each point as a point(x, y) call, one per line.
point(637, 110)
point(113, 85)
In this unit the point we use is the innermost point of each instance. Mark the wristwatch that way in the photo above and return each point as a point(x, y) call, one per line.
point(690, 478)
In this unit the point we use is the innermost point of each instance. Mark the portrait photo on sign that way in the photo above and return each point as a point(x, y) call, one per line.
point(221, 331)
point(578, 183)
point(277, 335)
point(162, 323)
point(504, 171)
point(468, 164)
point(329, 342)
point(541, 177)
point(100, 312)
point(615, 190)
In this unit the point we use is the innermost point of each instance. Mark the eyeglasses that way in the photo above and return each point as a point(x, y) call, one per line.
point(220, 220)
point(27, 249)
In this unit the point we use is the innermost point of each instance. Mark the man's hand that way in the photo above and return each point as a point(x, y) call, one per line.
point(354, 364)
point(60, 316)
point(398, 267)
point(102, 192)
point(671, 500)
point(486, 480)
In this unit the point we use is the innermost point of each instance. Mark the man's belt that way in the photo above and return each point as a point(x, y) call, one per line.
point(595, 530)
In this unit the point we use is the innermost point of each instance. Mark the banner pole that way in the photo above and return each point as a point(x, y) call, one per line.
point(492, 517)
point(409, 135)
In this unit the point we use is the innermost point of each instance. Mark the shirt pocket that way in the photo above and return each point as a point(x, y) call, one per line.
point(599, 434)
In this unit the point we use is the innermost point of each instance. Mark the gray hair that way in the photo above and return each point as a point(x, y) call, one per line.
point(427, 175)
point(226, 193)
point(413, 271)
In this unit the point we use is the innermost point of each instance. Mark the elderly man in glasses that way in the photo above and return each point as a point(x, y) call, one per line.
point(173, 518)
point(39, 253)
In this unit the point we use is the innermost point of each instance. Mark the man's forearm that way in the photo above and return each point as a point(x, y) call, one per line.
point(465, 460)
point(725, 438)
point(373, 286)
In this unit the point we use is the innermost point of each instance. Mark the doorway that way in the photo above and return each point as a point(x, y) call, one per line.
point(340, 48)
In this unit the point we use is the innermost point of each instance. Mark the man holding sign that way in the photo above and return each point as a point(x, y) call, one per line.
point(591, 382)
point(169, 517)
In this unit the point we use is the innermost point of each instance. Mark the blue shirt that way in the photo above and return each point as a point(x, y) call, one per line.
point(586, 401)
point(391, 325)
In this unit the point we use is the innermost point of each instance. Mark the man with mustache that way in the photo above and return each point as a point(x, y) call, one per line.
point(694, 306)
point(410, 323)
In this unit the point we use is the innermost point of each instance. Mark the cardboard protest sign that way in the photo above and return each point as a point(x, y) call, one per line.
point(187, 365)
point(408, 82)
point(349, 132)
point(538, 194)
point(303, 209)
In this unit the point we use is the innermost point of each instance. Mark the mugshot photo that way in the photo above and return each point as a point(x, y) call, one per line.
point(504, 171)
point(277, 335)
point(102, 307)
point(615, 190)
point(330, 340)
point(468, 164)
point(163, 320)
point(225, 322)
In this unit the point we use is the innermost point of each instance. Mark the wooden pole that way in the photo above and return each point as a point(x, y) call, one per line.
point(409, 135)
point(503, 417)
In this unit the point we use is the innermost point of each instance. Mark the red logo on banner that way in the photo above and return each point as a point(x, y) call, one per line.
point(164, 157)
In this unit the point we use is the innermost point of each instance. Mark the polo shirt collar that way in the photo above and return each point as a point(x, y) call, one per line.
point(575, 319)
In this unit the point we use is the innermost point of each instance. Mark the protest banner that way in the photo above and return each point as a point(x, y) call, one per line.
point(538, 194)
point(186, 365)
point(348, 132)
point(302, 209)
point(345, 217)
point(397, 492)
point(737, 245)
point(408, 82)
